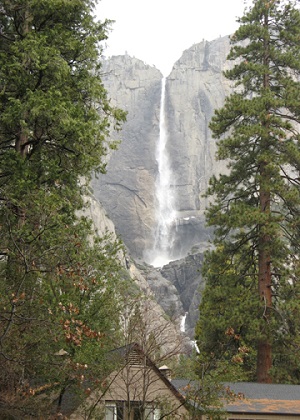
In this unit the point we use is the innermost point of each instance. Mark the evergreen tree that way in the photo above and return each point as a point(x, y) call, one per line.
point(58, 285)
point(253, 270)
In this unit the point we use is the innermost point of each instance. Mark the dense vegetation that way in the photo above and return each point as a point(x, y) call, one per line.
point(250, 314)
point(59, 282)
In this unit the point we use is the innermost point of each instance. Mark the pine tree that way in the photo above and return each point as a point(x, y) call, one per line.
point(59, 286)
point(255, 208)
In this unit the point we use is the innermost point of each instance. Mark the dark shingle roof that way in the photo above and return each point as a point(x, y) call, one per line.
point(265, 398)
point(266, 391)
point(257, 398)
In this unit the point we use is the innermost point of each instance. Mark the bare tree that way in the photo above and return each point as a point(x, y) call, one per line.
point(150, 340)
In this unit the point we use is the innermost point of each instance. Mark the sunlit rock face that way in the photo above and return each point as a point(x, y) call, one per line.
point(193, 90)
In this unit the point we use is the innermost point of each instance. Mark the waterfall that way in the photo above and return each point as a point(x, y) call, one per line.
point(161, 253)
point(182, 322)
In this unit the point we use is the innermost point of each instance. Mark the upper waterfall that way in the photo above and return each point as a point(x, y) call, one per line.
point(165, 211)
point(128, 190)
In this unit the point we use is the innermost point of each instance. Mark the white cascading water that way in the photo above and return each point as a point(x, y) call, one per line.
point(161, 253)
point(182, 322)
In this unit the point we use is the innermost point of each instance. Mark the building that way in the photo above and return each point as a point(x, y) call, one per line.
point(135, 390)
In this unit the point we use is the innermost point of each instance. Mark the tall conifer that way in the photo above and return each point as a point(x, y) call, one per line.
point(256, 205)
point(58, 286)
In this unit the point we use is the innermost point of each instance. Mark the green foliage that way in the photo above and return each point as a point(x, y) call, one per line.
point(252, 273)
point(59, 285)
point(185, 367)
point(226, 331)
point(205, 393)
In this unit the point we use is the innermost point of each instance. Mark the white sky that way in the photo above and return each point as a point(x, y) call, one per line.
point(158, 31)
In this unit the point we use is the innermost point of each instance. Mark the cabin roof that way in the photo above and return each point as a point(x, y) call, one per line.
point(257, 398)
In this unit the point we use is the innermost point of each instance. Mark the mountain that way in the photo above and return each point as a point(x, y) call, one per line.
point(195, 87)
point(128, 191)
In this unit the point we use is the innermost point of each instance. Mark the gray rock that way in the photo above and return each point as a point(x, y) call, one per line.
point(127, 190)
point(185, 275)
point(195, 87)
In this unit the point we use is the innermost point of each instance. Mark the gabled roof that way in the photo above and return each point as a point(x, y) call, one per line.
point(118, 356)
point(135, 348)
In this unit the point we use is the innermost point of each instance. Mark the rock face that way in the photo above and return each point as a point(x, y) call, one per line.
point(194, 89)
point(185, 275)
point(127, 190)
point(177, 288)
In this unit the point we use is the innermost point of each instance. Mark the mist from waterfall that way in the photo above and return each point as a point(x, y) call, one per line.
point(161, 253)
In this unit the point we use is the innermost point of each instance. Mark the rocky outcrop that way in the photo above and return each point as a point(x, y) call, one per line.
point(177, 288)
point(194, 89)
point(164, 292)
point(185, 275)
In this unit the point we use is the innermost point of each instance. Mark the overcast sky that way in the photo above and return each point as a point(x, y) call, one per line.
point(158, 31)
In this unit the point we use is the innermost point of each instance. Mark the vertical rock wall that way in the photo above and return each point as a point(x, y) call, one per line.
point(194, 89)
point(127, 190)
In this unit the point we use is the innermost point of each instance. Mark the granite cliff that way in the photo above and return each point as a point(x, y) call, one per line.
point(127, 189)
point(195, 87)
point(193, 90)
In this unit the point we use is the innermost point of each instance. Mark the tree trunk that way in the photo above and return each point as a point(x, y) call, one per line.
point(21, 145)
point(264, 362)
point(264, 348)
